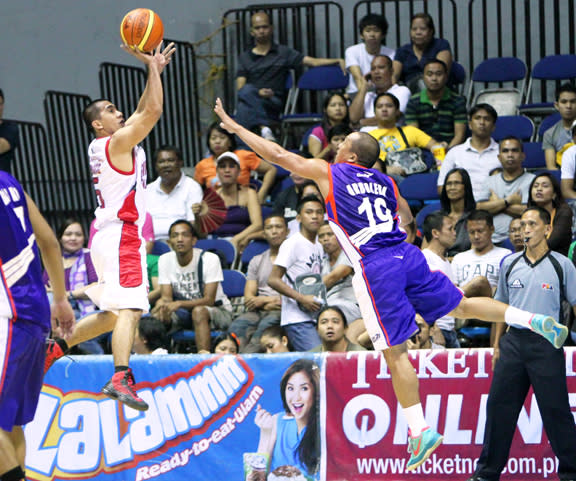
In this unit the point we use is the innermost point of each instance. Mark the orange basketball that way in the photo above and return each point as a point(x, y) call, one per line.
point(143, 28)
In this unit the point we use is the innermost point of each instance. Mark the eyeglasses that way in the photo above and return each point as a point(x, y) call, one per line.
point(454, 183)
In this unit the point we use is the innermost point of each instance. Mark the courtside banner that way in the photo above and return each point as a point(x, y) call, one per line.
point(203, 421)
point(366, 433)
point(200, 424)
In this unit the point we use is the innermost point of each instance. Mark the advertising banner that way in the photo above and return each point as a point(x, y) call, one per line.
point(296, 417)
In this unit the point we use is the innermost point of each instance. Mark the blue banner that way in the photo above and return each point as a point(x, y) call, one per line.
point(200, 424)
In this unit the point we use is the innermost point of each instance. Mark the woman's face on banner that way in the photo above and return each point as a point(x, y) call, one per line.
point(300, 396)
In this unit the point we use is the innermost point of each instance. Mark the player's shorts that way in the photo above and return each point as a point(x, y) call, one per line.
point(22, 351)
point(395, 283)
point(119, 257)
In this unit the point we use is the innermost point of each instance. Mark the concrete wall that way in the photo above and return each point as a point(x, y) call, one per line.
point(59, 44)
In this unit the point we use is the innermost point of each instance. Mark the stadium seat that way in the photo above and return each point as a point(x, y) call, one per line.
point(534, 156)
point(513, 125)
point(498, 70)
point(427, 209)
point(418, 188)
point(551, 67)
point(315, 79)
point(160, 248)
point(219, 245)
point(254, 248)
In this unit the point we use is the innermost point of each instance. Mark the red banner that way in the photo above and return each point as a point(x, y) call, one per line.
point(366, 433)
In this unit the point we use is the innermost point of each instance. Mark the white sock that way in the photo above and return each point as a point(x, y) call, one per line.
point(415, 419)
point(518, 317)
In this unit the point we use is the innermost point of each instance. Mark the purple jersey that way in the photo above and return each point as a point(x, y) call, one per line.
point(22, 293)
point(362, 208)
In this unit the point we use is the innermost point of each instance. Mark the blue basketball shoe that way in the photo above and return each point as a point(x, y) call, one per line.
point(548, 328)
point(421, 447)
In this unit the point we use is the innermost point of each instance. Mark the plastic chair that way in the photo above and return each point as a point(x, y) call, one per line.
point(327, 78)
point(427, 209)
point(535, 158)
point(160, 248)
point(254, 248)
point(420, 187)
point(513, 125)
point(551, 67)
point(498, 70)
point(547, 123)
point(222, 245)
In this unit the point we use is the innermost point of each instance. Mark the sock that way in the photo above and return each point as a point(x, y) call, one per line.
point(16, 474)
point(63, 344)
point(518, 317)
point(120, 369)
point(415, 417)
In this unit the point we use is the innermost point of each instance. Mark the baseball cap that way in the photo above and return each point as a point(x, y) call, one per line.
point(228, 155)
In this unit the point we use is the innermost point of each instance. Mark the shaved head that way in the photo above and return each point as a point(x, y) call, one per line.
point(366, 148)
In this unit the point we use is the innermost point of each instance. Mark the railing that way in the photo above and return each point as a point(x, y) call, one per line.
point(68, 139)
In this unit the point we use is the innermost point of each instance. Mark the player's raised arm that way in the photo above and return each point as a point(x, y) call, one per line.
point(315, 169)
point(150, 106)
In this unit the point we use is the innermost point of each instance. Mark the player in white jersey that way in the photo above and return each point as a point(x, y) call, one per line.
point(118, 168)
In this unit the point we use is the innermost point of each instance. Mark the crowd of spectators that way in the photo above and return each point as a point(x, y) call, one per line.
point(405, 98)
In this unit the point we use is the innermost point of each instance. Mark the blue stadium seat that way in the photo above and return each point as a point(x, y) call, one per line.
point(222, 245)
point(420, 188)
point(535, 158)
point(254, 248)
point(513, 125)
point(549, 68)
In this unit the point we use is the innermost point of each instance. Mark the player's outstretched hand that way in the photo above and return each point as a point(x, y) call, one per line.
point(63, 316)
point(227, 123)
point(161, 57)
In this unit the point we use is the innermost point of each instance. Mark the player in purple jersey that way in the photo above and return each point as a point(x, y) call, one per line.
point(392, 281)
point(25, 317)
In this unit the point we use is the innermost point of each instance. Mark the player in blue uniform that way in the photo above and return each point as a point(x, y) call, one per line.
point(24, 316)
point(392, 280)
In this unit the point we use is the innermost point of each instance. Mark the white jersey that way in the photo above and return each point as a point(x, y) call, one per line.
point(120, 194)
point(468, 265)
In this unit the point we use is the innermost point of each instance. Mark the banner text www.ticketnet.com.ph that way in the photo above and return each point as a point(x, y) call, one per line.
point(455, 465)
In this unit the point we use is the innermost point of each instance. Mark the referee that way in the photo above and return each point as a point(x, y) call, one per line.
point(536, 280)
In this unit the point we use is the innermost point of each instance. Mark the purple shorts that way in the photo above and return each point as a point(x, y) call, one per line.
point(395, 283)
point(22, 352)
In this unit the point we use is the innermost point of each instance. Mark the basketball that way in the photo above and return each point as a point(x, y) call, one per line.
point(142, 28)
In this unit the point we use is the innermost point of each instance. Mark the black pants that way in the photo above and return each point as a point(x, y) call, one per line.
point(527, 359)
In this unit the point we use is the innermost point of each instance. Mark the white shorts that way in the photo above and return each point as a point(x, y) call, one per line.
point(119, 257)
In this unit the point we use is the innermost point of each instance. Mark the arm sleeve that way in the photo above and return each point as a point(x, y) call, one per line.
point(350, 57)
point(446, 167)
point(502, 289)
point(403, 95)
point(253, 265)
point(283, 259)
point(568, 163)
point(547, 140)
point(211, 268)
point(249, 158)
point(416, 137)
point(163, 267)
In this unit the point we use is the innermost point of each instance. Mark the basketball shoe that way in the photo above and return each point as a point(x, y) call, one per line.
point(549, 329)
point(120, 387)
point(53, 353)
point(421, 447)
